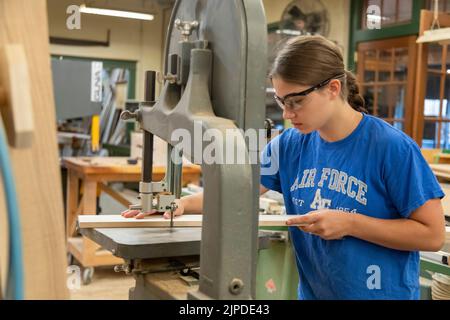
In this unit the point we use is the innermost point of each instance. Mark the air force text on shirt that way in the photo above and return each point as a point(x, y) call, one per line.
point(332, 179)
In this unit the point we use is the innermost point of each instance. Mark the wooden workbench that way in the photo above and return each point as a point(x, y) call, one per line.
point(86, 177)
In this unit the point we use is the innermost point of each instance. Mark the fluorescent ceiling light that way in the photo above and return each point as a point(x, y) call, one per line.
point(116, 13)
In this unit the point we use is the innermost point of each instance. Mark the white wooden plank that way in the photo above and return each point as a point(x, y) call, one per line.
point(157, 221)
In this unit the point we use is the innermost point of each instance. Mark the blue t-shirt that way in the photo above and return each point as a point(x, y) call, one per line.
point(377, 171)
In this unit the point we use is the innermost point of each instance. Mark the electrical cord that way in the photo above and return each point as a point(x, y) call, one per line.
point(15, 281)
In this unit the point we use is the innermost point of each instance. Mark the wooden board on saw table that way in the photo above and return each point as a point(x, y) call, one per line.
point(157, 221)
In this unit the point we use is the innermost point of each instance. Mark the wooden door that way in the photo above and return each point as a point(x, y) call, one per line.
point(386, 73)
point(432, 93)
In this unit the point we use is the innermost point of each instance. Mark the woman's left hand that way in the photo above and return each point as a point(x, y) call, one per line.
point(327, 224)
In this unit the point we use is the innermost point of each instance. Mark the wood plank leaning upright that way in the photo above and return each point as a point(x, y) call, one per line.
point(36, 168)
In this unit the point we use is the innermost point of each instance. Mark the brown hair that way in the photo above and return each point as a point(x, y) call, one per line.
point(309, 60)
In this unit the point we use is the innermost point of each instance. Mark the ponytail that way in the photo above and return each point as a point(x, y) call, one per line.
point(354, 98)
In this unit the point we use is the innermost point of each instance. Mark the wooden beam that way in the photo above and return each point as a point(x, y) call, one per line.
point(157, 221)
point(73, 188)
